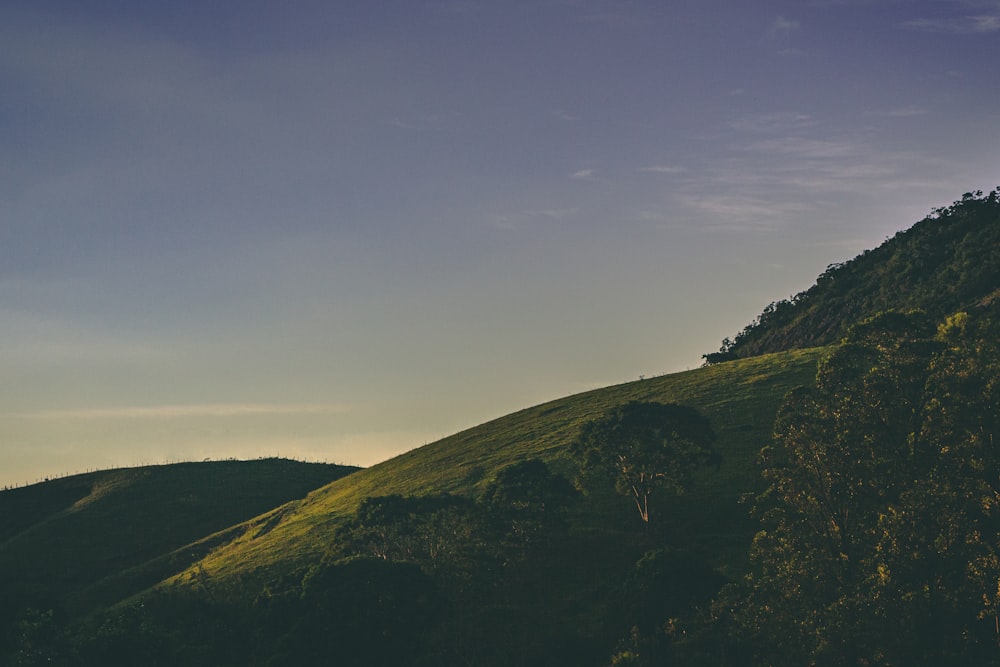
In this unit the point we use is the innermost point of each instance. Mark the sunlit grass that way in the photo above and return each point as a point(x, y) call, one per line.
point(740, 398)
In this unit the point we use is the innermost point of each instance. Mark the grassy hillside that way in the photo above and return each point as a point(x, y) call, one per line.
point(948, 262)
point(739, 398)
point(61, 538)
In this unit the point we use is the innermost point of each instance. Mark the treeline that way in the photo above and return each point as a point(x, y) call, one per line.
point(880, 540)
point(949, 261)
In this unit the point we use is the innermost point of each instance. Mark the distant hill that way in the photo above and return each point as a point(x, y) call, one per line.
point(947, 262)
point(61, 538)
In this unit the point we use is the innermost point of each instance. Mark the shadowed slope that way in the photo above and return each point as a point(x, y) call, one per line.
point(60, 537)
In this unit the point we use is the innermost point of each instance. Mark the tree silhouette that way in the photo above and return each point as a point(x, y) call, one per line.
point(645, 446)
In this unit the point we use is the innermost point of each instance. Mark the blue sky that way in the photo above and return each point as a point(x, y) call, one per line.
point(340, 230)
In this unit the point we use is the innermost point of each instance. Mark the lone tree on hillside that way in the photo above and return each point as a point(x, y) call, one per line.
point(643, 446)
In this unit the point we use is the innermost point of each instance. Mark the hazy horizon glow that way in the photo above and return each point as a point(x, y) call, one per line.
point(341, 230)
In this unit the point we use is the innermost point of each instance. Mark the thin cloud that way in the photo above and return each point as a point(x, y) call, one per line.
point(782, 121)
point(783, 26)
point(662, 169)
point(180, 411)
point(902, 112)
point(743, 212)
point(562, 115)
point(583, 175)
point(551, 213)
point(961, 25)
point(806, 148)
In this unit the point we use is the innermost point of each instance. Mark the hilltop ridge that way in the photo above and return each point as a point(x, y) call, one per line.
point(948, 261)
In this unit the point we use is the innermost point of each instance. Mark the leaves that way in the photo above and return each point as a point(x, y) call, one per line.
point(880, 534)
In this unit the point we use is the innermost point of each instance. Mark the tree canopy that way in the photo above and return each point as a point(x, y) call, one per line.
point(880, 540)
point(644, 446)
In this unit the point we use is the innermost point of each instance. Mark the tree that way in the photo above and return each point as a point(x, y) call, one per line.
point(363, 611)
point(442, 532)
point(529, 489)
point(879, 540)
point(526, 500)
point(644, 446)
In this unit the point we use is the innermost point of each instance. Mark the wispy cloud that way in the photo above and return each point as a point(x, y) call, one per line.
point(663, 169)
point(804, 147)
point(562, 115)
point(745, 212)
point(959, 25)
point(779, 169)
point(782, 26)
point(179, 411)
point(901, 112)
point(551, 213)
point(780, 33)
point(583, 175)
point(781, 121)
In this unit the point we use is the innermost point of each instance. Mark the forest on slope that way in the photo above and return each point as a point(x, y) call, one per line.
point(947, 262)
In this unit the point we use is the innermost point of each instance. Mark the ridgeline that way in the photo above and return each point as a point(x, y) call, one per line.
point(947, 262)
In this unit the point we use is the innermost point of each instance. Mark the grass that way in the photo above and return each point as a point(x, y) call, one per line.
point(740, 398)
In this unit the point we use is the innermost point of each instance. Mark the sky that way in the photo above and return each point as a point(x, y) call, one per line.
point(337, 231)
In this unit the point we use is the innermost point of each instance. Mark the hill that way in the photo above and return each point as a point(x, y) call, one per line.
point(61, 539)
point(949, 261)
point(237, 591)
point(561, 597)
point(408, 562)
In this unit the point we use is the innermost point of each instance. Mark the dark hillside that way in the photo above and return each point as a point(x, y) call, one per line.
point(62, 536)
point(947, 262)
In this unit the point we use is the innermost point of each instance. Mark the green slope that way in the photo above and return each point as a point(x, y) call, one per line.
point(61, 538)
point(740, 399)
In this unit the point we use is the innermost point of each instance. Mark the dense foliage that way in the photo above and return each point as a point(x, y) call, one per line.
point(881, 525)
point(948, 262)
